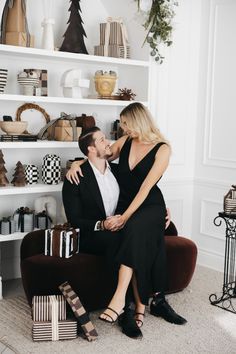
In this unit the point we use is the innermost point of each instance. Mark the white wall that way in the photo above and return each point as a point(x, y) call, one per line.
point(215, 162)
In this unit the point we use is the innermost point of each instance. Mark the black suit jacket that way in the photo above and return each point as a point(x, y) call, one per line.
point(83, 202)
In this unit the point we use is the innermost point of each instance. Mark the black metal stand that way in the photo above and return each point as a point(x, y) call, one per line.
point(227, 300)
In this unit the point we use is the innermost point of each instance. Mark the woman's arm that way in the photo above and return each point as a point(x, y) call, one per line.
point(116, 148)
point(72, 173)
point(159, 166)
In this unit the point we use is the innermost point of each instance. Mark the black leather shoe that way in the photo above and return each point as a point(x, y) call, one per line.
point(161, 308)
point(128, 324)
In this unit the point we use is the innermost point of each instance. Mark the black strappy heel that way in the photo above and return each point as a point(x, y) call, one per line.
point(137, 319)
point(106, 314)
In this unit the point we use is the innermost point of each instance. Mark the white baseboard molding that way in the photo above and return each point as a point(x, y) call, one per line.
point(209, 259)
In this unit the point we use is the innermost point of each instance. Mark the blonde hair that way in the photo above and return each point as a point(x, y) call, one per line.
point(139, 120)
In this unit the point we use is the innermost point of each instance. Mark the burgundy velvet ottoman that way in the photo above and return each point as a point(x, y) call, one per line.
point(89, 275)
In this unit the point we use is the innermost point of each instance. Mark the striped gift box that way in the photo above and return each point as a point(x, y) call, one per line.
point(115, 33)
point(42, 309)
point(115, 51)
point(43, 330)
point(61, 243)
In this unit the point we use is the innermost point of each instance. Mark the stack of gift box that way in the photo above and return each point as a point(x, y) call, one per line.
point(113, 40)
point(50, 322)
point(49, 319)
point(24, 220)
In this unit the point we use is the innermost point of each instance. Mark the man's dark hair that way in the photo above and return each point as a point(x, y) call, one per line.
point(86, 139)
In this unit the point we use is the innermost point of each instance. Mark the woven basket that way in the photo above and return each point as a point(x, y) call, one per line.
point(230, 201)
point(26, 106)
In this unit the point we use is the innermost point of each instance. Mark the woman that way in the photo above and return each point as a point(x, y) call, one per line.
point(143, 158)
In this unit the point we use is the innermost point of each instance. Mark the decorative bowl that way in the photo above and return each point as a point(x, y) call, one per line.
point(13, 128)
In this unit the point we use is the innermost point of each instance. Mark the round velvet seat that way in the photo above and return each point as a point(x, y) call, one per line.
point(89, 275)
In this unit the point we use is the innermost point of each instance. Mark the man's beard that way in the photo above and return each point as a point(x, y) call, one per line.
point(104, 156)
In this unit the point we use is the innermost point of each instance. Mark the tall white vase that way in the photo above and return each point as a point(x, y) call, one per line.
point(48, 36)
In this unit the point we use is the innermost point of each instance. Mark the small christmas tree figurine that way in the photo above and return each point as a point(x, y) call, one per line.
point(74, 35)
point(19, 176)
point(3, 179)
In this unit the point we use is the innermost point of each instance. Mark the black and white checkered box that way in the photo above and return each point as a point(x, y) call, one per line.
point(31, 174)
point(51, 169)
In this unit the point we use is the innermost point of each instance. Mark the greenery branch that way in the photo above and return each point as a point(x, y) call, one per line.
point(158, 25)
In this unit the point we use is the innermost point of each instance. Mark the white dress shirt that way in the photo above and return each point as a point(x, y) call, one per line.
point(108, 187)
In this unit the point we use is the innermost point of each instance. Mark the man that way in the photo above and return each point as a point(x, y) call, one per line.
point(89, 204)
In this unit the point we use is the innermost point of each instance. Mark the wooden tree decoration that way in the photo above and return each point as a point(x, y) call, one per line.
point(3, 179)
point(74, 35)
point(19, 176)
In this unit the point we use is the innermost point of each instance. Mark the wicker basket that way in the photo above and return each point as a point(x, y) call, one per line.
point(230, 201)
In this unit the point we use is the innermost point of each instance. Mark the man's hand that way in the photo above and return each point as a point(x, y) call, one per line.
point(72, 174)
point(168, 217)
point(115, 223)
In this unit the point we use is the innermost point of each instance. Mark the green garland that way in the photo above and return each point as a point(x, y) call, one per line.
point(159, 25)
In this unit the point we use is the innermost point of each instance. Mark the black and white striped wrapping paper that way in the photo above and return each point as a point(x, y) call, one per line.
point(61, 243)
point(42, 310)
point(51, 307)
point(43, 330)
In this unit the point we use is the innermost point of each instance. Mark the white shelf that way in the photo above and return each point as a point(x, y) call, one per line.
point(31, 189)
point(12, 237)
point(65, 100)
point(40, 144)
point(56, 55)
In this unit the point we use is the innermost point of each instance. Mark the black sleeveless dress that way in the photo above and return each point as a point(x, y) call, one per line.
point(142, 247)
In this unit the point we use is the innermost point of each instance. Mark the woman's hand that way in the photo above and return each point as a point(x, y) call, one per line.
point(72, 173)
point(115, 223)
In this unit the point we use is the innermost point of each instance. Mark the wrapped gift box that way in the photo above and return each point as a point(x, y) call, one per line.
point(41, 308)
point(61, 242)
point(49, 316)
point(82, 316)
point(42, 220)
point(115, 33)
point(18, 39)
point(43, 330)
point(65, 133)
point(114, 50)
point(24, 220)
point(7, 225)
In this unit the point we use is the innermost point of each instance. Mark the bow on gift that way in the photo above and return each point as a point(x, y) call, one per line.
point(123, 34)
point(22, 211)
point(63, 227)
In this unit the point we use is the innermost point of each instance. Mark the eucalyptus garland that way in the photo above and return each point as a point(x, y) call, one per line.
point(159, 25)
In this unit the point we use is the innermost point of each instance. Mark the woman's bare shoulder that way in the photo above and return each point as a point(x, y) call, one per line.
point(164, 149)
point(120, 142)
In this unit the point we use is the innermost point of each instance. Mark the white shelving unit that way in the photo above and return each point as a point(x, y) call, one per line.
point(64, 100)
point(31, 189)
point(131, 73)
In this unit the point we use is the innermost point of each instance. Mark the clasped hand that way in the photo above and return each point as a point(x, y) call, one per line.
point(115, 223)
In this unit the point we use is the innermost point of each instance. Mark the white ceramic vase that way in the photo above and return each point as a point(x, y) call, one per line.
point(48, 36)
